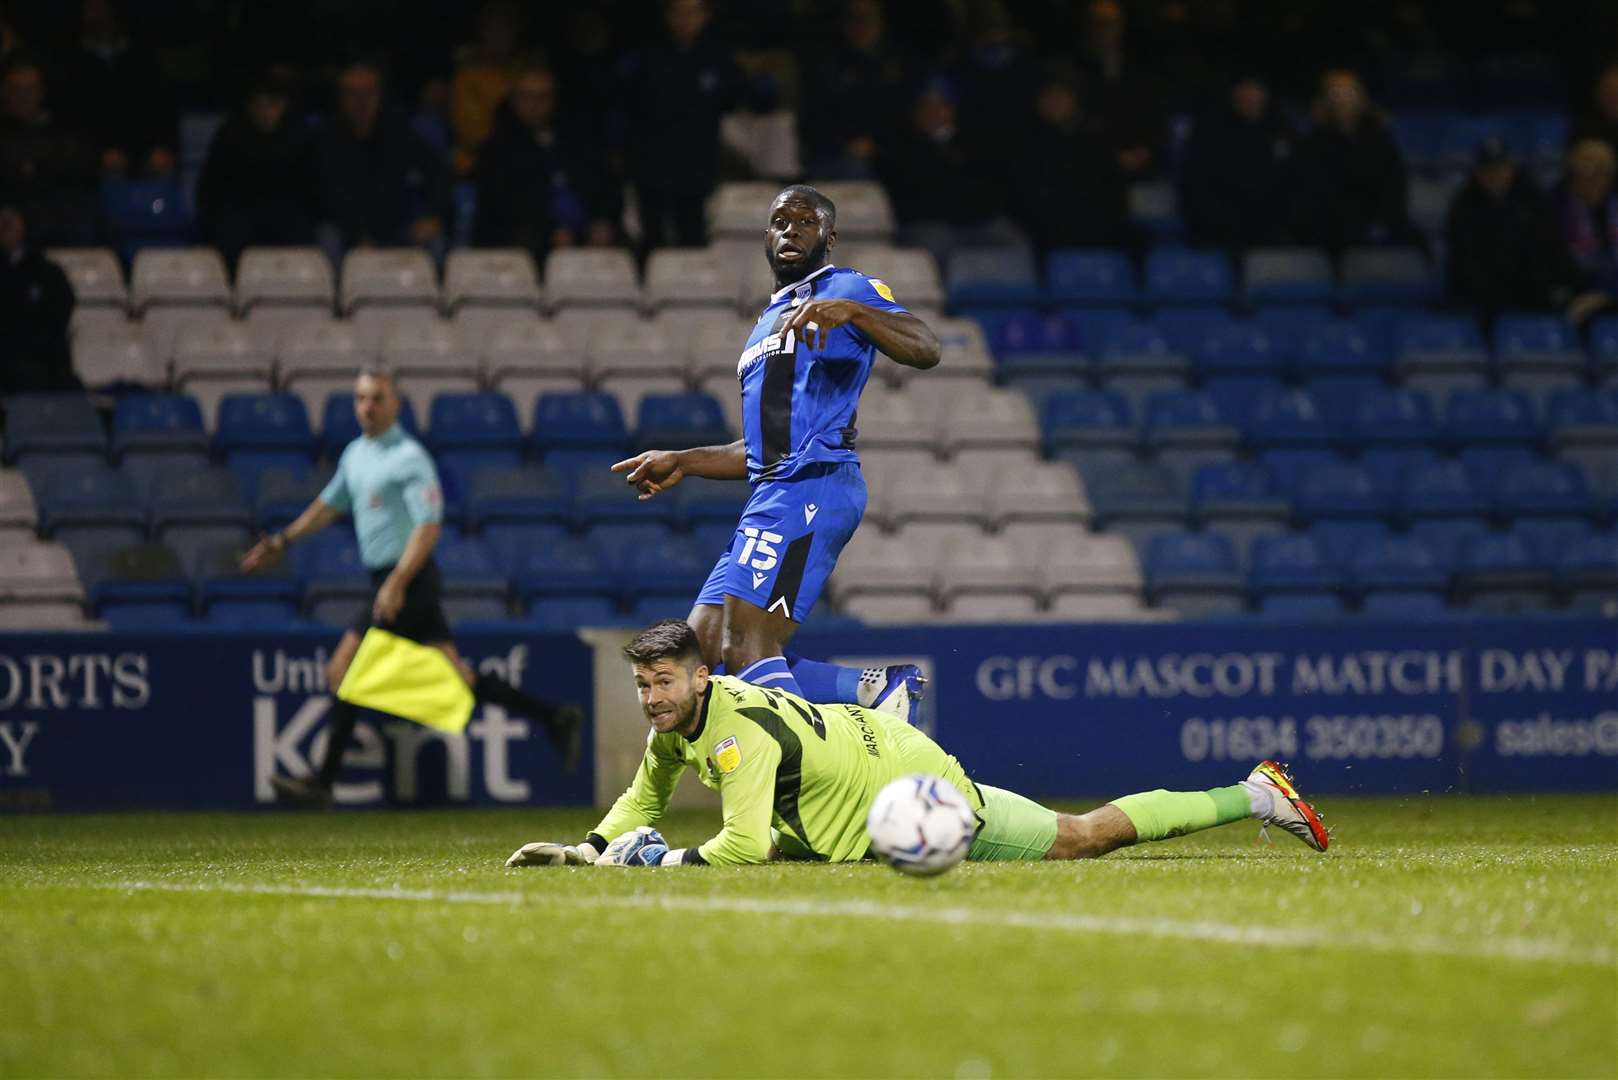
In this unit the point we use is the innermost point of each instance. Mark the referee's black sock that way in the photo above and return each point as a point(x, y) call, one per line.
point(497, 691)
point(340, 719)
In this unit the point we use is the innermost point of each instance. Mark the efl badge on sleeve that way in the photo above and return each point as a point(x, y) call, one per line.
point(883, 291)
point(727, 756)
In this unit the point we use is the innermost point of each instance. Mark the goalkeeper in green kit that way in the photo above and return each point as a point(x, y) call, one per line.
point(797, 779)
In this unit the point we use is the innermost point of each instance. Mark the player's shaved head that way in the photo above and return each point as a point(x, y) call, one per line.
point(823, 206)
point(666, 639)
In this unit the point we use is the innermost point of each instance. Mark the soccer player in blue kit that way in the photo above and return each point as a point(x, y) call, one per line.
point(801, 374)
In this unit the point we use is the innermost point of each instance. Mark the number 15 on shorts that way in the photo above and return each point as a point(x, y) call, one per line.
point(759, 554)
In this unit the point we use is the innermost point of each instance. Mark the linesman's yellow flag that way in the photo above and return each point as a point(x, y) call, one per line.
point(397, 676)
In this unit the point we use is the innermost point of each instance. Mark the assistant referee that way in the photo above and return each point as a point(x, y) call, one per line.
point(388, 482)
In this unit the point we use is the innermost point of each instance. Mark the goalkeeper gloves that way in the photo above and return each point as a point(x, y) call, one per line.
point(550, 853)
point(643, 847)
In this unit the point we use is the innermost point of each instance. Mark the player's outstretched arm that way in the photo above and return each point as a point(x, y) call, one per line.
point(898, 334)
point(659, 470)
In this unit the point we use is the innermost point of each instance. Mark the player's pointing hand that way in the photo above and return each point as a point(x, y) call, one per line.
point(652, 471)
point(814, 321)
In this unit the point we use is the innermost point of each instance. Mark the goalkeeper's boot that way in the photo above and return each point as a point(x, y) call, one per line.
point(895, 689)
point(1287, 809)
point(302, 791)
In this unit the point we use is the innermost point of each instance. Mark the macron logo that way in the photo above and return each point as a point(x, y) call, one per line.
point(809, 512)
point(758, 579)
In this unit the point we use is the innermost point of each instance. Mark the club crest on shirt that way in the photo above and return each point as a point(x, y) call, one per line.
point(727, 756)
point(882, 290)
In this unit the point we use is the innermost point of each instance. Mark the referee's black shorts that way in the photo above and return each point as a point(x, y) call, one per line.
point(421, 618)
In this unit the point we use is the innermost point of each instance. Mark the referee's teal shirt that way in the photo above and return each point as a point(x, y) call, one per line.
point(390, 486)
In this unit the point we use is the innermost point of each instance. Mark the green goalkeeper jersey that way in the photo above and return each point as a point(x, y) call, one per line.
point(810, 771)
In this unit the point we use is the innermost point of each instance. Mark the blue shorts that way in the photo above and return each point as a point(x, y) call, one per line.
point(788, 540)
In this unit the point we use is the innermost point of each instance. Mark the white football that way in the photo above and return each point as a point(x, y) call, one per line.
point(921, 825)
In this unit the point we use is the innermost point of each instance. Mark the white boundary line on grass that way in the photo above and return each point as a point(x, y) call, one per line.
point(1258, 936)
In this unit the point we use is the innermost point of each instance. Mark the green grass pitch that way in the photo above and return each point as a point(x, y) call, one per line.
point(1440, 936)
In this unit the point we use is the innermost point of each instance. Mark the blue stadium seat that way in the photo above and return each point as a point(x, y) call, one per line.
point(157, 422)
point(476, 422)
point(140, 616)
point(509, 496)
point(1238, 348)
point(1439, 353)
point(1604, 346)
point(573, 568)
point(1340, 542)
point(282, 494)
point(209, 496)
point(714, 537)
point(1489, 417)
point(1291, 325)
point(617, 542)
point(257, 615)
point(1135, 498)
point(1184, 430)
point(1027, 331)
point(1343, 346)
point(263, 422)
point(1094, 278)
point(1289, 418)
point(339, 426)
point(576, 463)
point(1538, 354)
point(678, 421)
point(1195, 574)
point(1097, 332)
point(710, 502)
point(1344, 490)
point(1239, 500)
point(52, 424)
point(579, 421)
point(1300, 606)
point(1139, 359)
point(673, 569)
point(1386, 276)
point(992, 277)
point(511, 543)
point(1549, 537)
point(1588, 571)
point(1445, 537)
point(217, 574)
point(1288, 467)
point(1542, 489)
point(1287, 275)
point(1392, 417)
point(572, 612)
point(147, 212)
point(1390, 465)
point(1086, 419)
point(1184, 276)
point(1293, 563)
point(1485, 465)
point(1500, 574)
point(1582, 415)
point(601, 497)
point(1398, 565)
point(138, 574)
point(1235, 394)
point(1185, 327)
point(88, 497)
point(249, 465)
point(649, 609)
point(1443, 489)
point(472, 572)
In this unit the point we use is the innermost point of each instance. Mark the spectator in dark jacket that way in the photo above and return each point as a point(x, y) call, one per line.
point(1235, 174)
point(1351, 176)
point(674, 96)
point(1601, 120)
point(115, 90)
point(541, 182)
point(36, 301)
point(46, 166)
point(1502, 253)
point(852, 103)
point(1068, 190)
point(1121, 97)
point(257, 182)
point(941, 184)
point(380, 183)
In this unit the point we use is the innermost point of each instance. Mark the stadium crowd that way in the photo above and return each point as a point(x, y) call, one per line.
point(384, 123)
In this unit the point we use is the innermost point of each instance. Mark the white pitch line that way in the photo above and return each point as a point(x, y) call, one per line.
point(1259, 936)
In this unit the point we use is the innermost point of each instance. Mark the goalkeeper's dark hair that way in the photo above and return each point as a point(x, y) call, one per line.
point(823, 206)
point(666, 639)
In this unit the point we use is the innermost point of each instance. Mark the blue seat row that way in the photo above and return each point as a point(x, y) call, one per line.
point(1171, 277)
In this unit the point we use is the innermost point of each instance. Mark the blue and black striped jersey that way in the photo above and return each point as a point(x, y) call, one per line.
point(799, 405)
